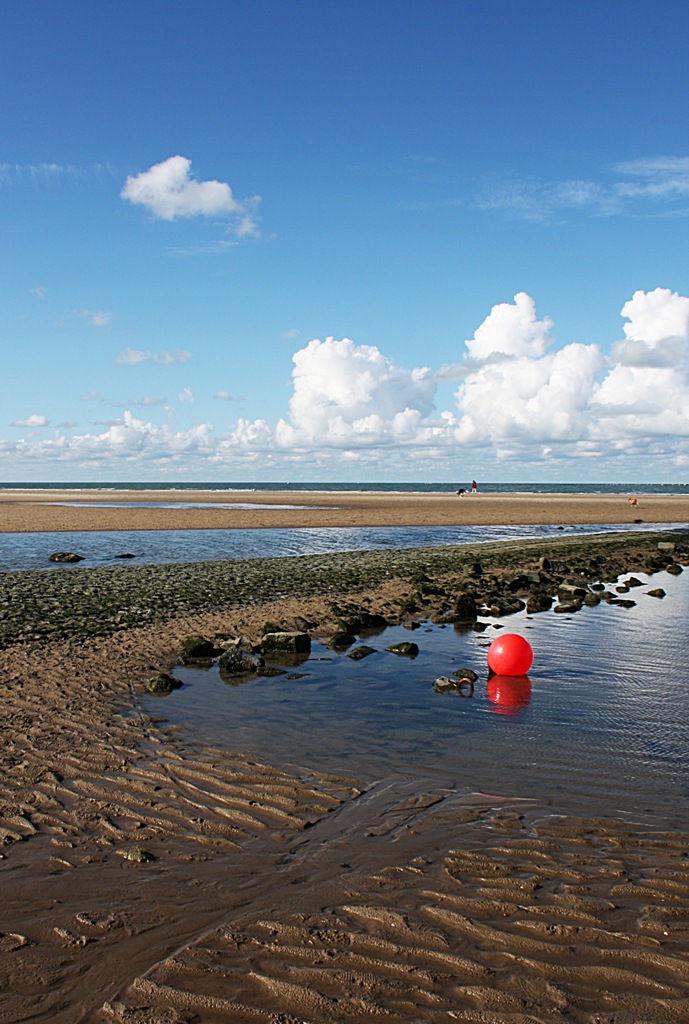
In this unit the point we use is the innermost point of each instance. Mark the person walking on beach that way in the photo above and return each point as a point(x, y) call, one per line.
point(474, 488)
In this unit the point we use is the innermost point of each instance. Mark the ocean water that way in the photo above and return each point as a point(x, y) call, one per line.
point(19, 551)
point(391, 486)
point(599, 726)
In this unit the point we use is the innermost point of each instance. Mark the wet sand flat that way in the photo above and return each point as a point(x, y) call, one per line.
point(33, 511)
point(150, 881)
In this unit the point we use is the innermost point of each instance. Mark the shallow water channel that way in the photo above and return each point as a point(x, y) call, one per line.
point(600, 725)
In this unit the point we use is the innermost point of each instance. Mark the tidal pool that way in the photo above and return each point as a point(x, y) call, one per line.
point(600, 725)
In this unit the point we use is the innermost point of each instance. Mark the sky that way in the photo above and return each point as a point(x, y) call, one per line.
point(302, 240)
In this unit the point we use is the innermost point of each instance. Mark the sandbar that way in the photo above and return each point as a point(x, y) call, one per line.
point(32, 511)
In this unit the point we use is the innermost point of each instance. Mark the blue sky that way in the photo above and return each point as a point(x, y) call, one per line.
point(344, 241)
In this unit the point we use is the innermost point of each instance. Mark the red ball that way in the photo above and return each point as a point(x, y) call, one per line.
point(510, 655)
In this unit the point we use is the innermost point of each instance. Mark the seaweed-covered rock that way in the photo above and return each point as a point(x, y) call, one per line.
point(465, 673)
point(360, 652)
point(404, 648)
point(538, 601)
point(286, 643)
point(359, 620)
point(235, 661)
point(341, 641)
point(198, 647)
point(466, 609)
point(162, 684)
point(65, 556)
point(675, 569)
point(656, 592)
point(506, 605)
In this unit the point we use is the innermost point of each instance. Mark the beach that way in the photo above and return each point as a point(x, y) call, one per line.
point(147, 879)
point(35, 510)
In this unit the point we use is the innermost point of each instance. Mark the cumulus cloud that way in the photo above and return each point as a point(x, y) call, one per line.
point(133, 357)
point(352, 394)
point(657, 332)
point(169, 192)
point(523, 401)
point(34, 420)
point(511, 330)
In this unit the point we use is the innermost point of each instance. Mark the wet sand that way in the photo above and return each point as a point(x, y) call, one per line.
point(40, 510)
point(145, 880)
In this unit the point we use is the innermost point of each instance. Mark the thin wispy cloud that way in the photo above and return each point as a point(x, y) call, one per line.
point(49, 172)
point(134, 357)
point(96, 317)
point(654, 184)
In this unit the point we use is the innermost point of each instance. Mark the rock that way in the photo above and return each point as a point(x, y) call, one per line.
point(358, 620)
point(341, 641)
point(286, 643)
point(544, 563)
point(237, 662)
point(126, 554)
point(198, 647)
point(622, 602)
point(675, 569)
point(567, 606)
point(404, 648)
point(411, 625)
point(657, 592)
point(65, 556)
point(162, 684)
point(464, 686)
point(591, 600)
point(443, 684)
point(538, 601)
point(570, 590)
point(465, 673)
point(137, 854)
point(361, 652)
point(465, 607)
point(634, 582)
point(666, 545)
point(506, 606)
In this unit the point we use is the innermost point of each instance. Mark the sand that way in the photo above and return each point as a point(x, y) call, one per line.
point(150, 881)
point(40, 510)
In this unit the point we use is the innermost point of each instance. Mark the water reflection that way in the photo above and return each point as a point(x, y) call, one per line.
point(509, 694)
point(600, 724)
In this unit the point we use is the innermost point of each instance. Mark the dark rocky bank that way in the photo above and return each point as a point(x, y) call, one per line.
point(42, 605)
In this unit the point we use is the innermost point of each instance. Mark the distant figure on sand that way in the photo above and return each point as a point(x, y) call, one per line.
point(474, 488)
point(632, 501)
point(461, 491)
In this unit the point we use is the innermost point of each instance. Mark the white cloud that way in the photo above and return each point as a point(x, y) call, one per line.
point(169, 192)
point(351, 394)
point(34, 420)
point(511, 330)
point(96, 317)
point(522, 402)
point(186, 395)
point(227, 396)
point(133, 357)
